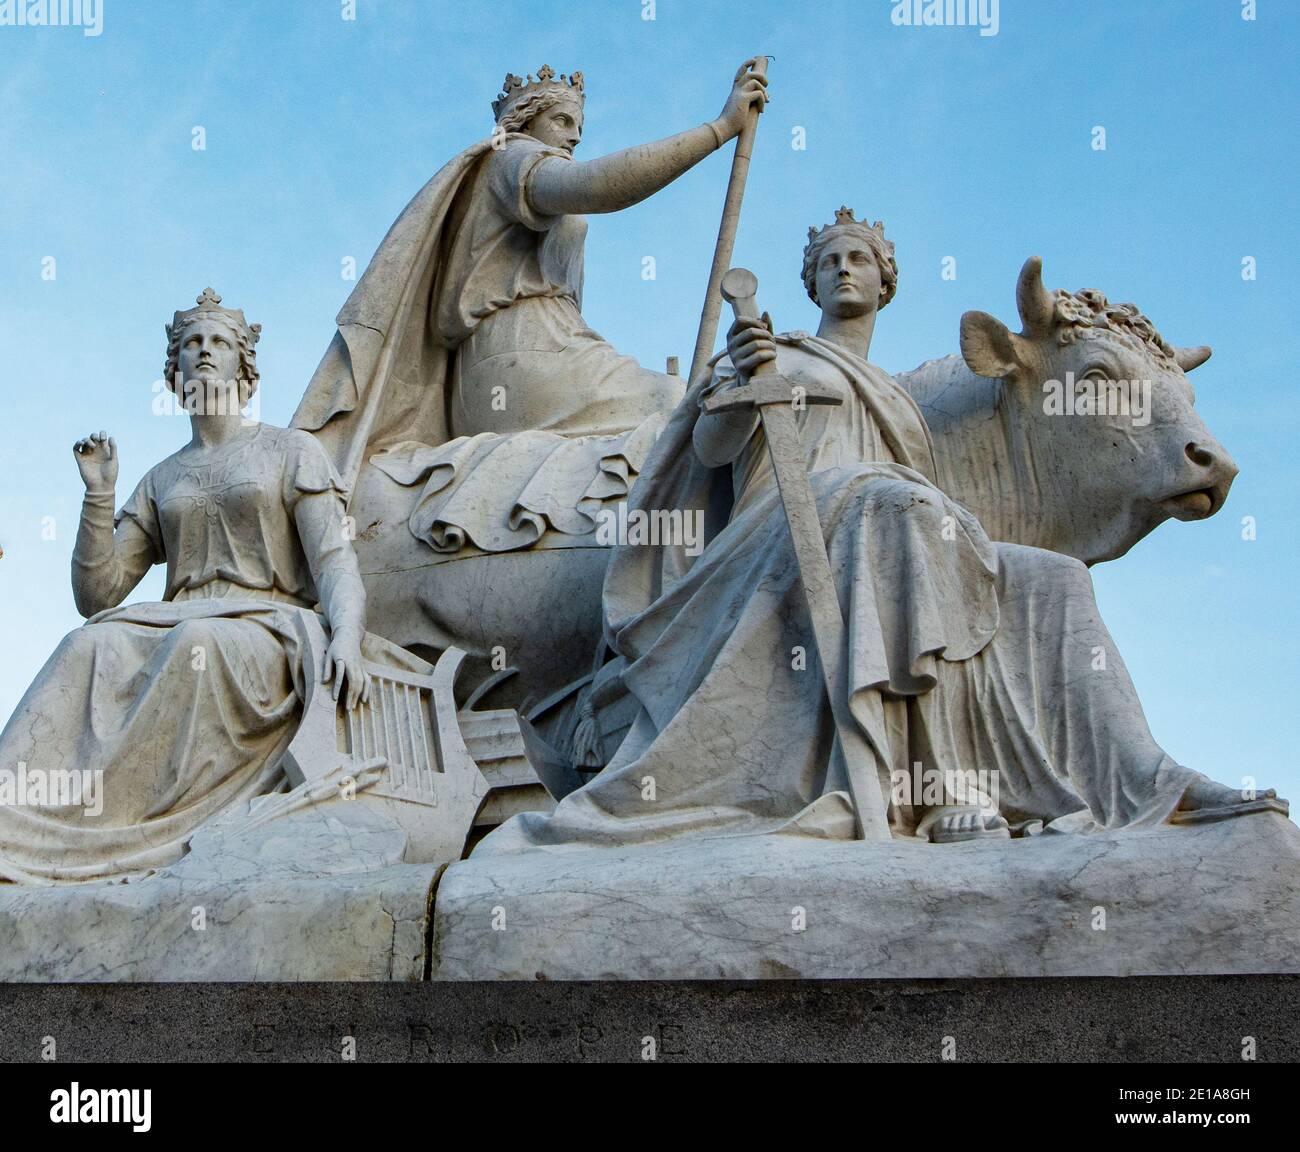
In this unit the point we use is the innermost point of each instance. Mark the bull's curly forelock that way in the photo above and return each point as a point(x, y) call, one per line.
point(1089, 313)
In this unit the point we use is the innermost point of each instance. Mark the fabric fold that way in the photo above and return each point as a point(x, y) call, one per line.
point(500, 492)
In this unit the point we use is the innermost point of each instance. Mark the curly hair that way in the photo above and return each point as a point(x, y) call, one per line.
point(1088, 313)
point(880, 248)
point(245, 340)
point(517, 117)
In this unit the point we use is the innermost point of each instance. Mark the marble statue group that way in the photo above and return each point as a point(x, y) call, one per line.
point(886, 632)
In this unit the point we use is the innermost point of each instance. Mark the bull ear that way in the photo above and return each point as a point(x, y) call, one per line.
point(1036, 305)
point(1189, 358)
point(988, 346)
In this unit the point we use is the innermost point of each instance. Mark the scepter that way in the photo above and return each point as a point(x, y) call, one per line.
point(727, 229)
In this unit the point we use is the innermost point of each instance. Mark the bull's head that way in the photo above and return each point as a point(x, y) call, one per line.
point(1105, 411)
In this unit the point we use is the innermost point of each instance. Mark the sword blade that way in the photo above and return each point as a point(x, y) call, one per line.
point(862, 759)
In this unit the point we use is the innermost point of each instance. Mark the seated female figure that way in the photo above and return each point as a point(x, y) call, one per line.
point(154, 717)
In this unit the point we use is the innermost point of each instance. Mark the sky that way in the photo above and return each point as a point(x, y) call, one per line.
point(317, 129)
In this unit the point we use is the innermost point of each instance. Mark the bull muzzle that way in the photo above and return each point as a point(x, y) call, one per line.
point(1212, 474)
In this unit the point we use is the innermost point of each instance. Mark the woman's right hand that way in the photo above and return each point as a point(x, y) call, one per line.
point(97, 461)
point(750, 343)
point(749, 90)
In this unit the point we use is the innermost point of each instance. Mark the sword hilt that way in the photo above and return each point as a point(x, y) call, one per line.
point(740, 289)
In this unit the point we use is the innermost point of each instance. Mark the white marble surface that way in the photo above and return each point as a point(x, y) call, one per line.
point(1210, 898)
point(320, 895)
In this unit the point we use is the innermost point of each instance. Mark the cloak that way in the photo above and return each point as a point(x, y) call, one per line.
point(385, 373)
point(674, 477)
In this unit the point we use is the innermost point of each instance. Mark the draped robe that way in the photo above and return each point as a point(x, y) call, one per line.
point(182, 708)
point(986, 655)
point(463, 371)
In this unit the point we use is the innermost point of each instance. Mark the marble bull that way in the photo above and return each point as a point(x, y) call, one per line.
point(1089, 477)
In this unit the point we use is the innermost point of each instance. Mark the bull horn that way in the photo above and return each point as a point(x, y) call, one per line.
point(1189, 358)
point(1037, 306)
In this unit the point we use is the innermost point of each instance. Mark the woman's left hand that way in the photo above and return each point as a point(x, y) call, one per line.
point(748, 90)
point(343, 665)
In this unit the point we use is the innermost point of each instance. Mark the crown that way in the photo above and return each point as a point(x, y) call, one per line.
point(844, 218)
point(515, 89)
point(209, 304)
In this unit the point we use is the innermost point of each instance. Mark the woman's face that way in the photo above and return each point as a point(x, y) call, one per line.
point(559, 127)
point(848, 278)
point(209, 363)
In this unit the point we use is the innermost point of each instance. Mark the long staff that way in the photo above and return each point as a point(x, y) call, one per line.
point(727, 230)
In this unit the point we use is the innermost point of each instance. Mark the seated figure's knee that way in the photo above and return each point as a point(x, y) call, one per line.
point(81, 642)
point(895, 496)
point(193, 634)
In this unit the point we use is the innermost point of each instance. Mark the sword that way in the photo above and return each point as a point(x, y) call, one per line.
point(861, 759)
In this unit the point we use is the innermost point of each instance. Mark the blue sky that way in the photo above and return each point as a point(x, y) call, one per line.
point(318, 130)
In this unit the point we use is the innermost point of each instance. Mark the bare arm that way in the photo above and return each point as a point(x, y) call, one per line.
point(106, 564)
point(720, 437)
point(333, 564)
point(621, 179)
point(319, 517)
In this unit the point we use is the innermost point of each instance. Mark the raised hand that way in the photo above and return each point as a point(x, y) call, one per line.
point(749, 90)
point(97, 461)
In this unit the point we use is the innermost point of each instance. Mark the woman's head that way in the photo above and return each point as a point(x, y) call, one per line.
point(849, 267)
point(557, 122)
point(211, 357)
point(547, 109)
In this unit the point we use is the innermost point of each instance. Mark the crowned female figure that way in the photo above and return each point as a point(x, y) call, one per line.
point(162, 715)
point(463, 368)
point(970, 665)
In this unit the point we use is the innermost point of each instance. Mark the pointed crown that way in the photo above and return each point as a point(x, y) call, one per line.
point(844, 218)
point(516, 89)
point(209, 304)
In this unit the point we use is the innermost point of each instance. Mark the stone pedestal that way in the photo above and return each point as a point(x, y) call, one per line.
point(1203, 899)
point(322, 895)
point(1200, 1019)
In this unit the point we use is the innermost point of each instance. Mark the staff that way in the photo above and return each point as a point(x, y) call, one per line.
point(727, 229)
